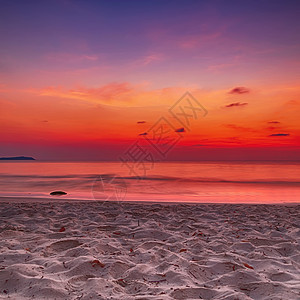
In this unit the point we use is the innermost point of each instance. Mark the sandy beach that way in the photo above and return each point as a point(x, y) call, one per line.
point(96, 250)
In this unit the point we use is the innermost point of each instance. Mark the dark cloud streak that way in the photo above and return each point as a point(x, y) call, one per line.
point(180, 130)
point(280, 134)
point(239, 90)
point(236, 104)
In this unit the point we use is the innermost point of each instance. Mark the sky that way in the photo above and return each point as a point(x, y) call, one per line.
point(85, 80)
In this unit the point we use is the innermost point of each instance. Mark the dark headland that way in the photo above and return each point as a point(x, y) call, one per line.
point(17, 158)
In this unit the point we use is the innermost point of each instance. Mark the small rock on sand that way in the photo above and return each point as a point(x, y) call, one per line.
point(58, 193)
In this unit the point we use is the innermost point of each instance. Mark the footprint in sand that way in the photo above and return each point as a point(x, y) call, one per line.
point(61, 246)
point(77, 281)
point(118, 268)
point(193, 293)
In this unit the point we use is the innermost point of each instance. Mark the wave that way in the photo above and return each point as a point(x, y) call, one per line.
point(81, 179)
point(214, 180)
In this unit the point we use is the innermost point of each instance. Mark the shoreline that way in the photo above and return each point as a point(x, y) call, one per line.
point(30, 199)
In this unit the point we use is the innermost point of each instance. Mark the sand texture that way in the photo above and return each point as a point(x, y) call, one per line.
point(94, 250)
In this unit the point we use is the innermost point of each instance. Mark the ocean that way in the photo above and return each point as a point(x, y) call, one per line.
point(198, 182)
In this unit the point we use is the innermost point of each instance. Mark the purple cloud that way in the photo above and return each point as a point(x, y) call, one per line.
point(236, 104)
point(180, 130)
point(279, 134)
point(239, 90)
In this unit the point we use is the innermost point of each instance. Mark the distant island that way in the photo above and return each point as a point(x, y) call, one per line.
point(17, 158)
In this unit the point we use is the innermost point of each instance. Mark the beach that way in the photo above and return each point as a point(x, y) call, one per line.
point(110, 250)
point(149, 150)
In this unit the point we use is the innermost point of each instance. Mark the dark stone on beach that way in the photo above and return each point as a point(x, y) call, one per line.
point(58, 193)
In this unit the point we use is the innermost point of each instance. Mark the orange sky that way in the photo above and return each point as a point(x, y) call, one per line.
point(109, 115)
point(72, 92)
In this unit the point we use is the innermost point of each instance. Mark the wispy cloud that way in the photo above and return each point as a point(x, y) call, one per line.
point(273, 122)
point(174, 39)
point(236, 104)
point(144, 60)
point(239, 90)
point(196, 41)
point(71, 57)
point(106, 93)
point(239, 128)
point(219, 67)
point(115, 93)
point(280, 134)
point(148, 59)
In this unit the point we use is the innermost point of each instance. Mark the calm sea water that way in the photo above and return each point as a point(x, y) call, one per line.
point(234, 182)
